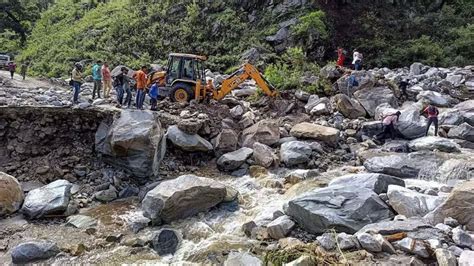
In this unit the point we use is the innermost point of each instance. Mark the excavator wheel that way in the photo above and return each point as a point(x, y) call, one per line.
point(182, 92)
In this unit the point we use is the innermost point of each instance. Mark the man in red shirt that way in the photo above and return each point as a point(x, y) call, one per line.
point(140, 77)
point(106, 79)
point(432, 113)
point(340, 57)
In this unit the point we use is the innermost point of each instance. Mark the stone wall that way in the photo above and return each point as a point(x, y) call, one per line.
point(48, 143)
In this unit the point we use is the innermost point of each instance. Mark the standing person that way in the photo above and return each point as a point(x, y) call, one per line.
point(357, 60)
point(97, 76)
point(154, 96)
point(126, 87)
point(118, 85)
point(76, 77)
point(341, 57)
point(106, 79)
point(432, 113)
point(11, 68)
point(389, 123)
point(403, 87)
point(140, 77)
point(351, 83)
point(23, 69)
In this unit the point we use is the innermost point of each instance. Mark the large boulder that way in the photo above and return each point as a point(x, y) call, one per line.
point(233, 160)
point(342, 208)
point(280, 227)
point(365, 79)
point(295, 152)
point(182, 197)
point(370, 98)
point(187, 142)
point(402, 165)
point(47, 200)
point(451, 117)
point(330, 72)
point(263, 154)
point(431, 143)
point(348, 107)
point(411, 203)
point(434, 98)
point(226, 141)
point(376, 182)
point(133, 142)
point(307, 130)
point(453, 170)
point(467, 111)
point(410, 123)
point(265, 131)
point(413, 227)
point(463, 131)
point(34, 251)
point(458, 205)
point(242, 259)
point(11, 194)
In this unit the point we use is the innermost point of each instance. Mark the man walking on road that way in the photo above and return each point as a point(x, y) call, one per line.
point(106, 80)
point(11, 68)
point(140, 77)
point(97, 76)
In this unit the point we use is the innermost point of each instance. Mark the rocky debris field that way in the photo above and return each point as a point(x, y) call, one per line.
point(244, 181)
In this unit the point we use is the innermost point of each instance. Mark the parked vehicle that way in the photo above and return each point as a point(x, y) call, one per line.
point(4, 59)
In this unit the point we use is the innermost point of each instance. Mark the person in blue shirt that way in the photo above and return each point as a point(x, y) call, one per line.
point(97, 76)
point(154, 93)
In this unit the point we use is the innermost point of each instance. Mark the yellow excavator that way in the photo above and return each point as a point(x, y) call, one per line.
point(185, 79)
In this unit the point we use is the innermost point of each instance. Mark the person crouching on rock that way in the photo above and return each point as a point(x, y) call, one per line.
point(389, 123)
point(154, 96)
point(76, 78)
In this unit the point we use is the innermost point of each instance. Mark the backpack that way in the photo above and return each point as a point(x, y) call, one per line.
point(353, 81)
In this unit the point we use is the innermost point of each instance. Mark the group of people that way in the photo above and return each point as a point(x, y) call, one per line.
point(357, 58)
point(389, 122)
point(122, 83)
point(11, 66)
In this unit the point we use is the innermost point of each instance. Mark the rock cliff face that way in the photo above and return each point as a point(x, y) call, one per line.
point(45, 143)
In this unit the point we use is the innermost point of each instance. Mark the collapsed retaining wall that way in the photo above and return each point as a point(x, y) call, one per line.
point(48, 143)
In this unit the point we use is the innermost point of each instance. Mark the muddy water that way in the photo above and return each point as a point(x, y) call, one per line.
point(207, 237)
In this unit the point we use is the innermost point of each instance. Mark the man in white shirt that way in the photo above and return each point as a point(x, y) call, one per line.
point(357, 60)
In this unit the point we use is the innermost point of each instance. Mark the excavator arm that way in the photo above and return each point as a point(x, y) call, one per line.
point(238, 77)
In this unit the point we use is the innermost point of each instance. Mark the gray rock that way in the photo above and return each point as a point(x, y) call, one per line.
point(365, 78)
point(370, 98)
point(461, 238)
point(182, 197)
point(302, 95)
point(33, 251)
point(413, 246)
point(342, 208)
point(226, 141)
point(454, 169)
point(166, 241)
point(233, 160)
point(369, 243)
point(327, 241)
point(81, 221)
point(237, 111)
point(463, 131)
point(307, 130)
point(395, 146)
point(107, 195)
point(346, 241)
point(431, 143)
point(50, 199)
point(330, 72)
point(295, 152)
point(445, 228)
point(466, 258)
point(415, 69)
point(190, 126)
point(451, 222)
point(348, 107)
point(313, 100)
point(434, 98)
point(242, 259)
point(263, 155)
point(455, 250)
point(375, 182)
point(411, 203)
point(266, 132)
point(410, 124)
point(451, 117)
point(402, 165)
point(248, 227)
point(133, 142)
point(304, 260)
point(415, 228)
point(186, 141)
point(280, 227)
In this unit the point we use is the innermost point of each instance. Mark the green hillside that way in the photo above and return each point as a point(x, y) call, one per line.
point(133, 32)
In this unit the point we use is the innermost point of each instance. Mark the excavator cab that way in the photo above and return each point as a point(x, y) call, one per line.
point(185, 79)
